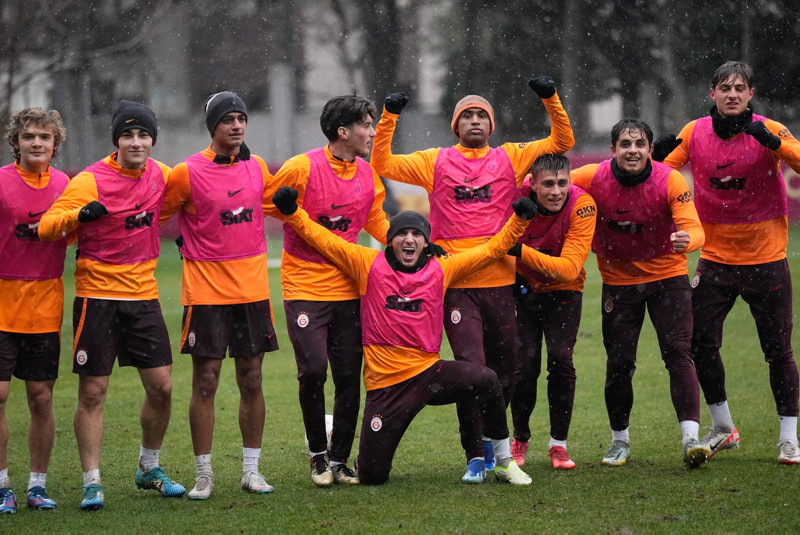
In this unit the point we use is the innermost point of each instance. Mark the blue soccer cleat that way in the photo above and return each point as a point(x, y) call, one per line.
point(93, 498)
point(476, 472)
point(8, 502)
point(39, 500)
point(156, 479)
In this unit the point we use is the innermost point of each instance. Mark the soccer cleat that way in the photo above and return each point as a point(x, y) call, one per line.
point(476, 472)
point(617, 454)
point(255, 483)
point(321, 474)
point(343, 475)
point(8, 502)
point(203, 486)
point(559, 458)
point(39, 500)
point(790, 454)
point(93, 498)
point(519, 450)
point(512, 474)
point(488, 455)
point(156, 479)
point(718, 440)
point(695, 453)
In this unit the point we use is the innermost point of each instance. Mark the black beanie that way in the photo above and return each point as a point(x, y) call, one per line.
point(219, 105)
point(408, 219)
point(128, 115)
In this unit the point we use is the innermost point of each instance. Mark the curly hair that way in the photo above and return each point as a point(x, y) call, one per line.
point(35, 117)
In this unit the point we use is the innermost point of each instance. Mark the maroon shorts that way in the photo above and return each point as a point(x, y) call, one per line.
point(106, 329)
point(29, 357)
point(242, 330)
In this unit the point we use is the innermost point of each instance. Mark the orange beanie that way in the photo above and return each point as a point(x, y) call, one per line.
point(472, 101)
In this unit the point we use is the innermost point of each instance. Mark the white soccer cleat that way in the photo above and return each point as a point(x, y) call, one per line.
point(254, 483)
point(790, 454)
point(203, 486)
point(720, 439)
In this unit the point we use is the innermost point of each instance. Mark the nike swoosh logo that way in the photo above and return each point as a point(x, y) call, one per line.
point(335, 206)
point(624, 211)
point(468, 180)
point(137, 206)
point(128, 121)
point(232, 193)
point(715, 446)
point(719, 167)
point(32, 215)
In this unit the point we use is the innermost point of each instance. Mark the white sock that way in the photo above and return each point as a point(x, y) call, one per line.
point(553, 442)
point(91, 476)
point(4, 481)
point(721, 416)
point(502, 452)
point(250, 458)
point(203, 463)
point(148, 459)
point(315, 453)
point(37, 479)
point(788, 429)
point(621, 435)
point(690, 430)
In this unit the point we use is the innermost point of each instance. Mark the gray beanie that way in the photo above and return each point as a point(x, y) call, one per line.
point(408, 219)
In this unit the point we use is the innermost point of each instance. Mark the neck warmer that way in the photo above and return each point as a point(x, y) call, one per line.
point(631, 180)
point(727, 127)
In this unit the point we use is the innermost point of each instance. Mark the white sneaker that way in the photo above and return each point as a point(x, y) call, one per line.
point(719, 439)
point(790, 454)
point(203, 486)
point(254, 482)
point(512, 474)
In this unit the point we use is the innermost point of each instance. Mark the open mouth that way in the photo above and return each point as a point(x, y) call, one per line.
point(408, 252)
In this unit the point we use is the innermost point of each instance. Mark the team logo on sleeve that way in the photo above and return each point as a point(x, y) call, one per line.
point(376, 423)
point(608, 306)
point(191, 339)
point(455, 316)
point(81, 357)
point(302, 320)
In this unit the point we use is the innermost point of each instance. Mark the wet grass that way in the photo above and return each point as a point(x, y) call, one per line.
point(740, 491)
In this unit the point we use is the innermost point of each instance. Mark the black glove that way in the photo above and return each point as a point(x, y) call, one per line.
point(92, 212)
point(395, 102)
point(544, 86)
point(436, 250)
point(758, 130)
point(285, 199)
point(525, 208)
point(516, 250)
point(664, 145)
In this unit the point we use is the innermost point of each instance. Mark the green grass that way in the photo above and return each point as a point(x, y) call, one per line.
point(740, 491)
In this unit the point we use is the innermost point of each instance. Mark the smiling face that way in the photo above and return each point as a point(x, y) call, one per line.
point(551, 188)
point(357, 138)
point(474, 128)
point(631, 151)
point(35, 145)
point(135, 146)
point(731, 96)
point(229, 134)
point(408, 245)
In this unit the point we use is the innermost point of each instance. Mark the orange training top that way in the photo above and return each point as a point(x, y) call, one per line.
point(226, 282)
point(388, 365)
point(745, 243)
point(32, 306)
point(93, 278)
point(619, 272)
point(312, 281)
point(418, 169)
point(567, 268)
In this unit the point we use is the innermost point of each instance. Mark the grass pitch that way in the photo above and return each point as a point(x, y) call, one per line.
point(741, 490)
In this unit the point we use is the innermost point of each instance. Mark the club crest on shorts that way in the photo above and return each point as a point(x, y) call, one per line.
point(455, 316)
point(81, 357)
point(608, 306)
point(376, 423)
point(696, 280)
point(191, 339)
point(302, 320)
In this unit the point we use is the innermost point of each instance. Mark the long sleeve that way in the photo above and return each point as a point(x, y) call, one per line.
point(62, 217)
point(683, 210)
point(415, 168)
point(458, 265)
